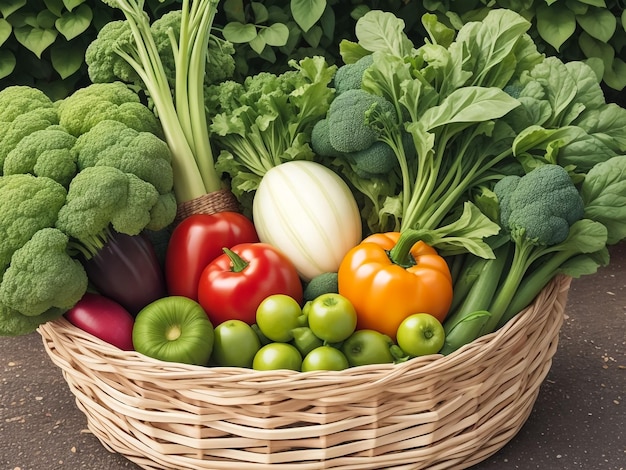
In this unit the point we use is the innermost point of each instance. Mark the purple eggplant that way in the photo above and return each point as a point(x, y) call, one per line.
point(127, 270)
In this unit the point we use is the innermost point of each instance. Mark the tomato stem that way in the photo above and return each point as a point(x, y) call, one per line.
point(237, 263)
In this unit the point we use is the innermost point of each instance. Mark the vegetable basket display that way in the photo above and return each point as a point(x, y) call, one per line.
point(432, 412)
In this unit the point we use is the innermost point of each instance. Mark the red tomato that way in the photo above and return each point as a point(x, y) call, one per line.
point(103, 318)
point(197, 241)
point(233, 285)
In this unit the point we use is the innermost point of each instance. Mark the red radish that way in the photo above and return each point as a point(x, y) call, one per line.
point(103, 318)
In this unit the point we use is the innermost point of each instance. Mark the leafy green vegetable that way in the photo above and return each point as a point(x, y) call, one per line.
point(268, 119)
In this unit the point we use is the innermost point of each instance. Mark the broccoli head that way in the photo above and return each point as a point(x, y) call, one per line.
point(350, 76)
point(539, 206)
point(101, 197)
point(348, 131)
point(320, 140)
point(86, 107)
point(13, 323)
point(27, 205)
point(377, 159)
point(104, 64)
point(42, 276)
point(48, 152)
point(11, 133)
point(112, 143)
point(20, 99)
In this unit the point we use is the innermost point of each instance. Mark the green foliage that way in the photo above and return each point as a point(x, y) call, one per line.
point(589, 30)
point(50, 38)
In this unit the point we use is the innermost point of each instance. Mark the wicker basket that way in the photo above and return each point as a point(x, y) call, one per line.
point(433, 412)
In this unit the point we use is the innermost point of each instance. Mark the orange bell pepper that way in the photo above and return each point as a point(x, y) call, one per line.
point(388, 277)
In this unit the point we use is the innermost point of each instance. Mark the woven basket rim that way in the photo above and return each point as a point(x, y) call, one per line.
point(376, 371)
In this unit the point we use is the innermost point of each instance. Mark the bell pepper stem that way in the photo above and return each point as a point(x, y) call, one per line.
point(238, 264)
point(400, 254)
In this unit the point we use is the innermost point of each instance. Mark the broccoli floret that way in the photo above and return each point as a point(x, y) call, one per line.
point(20, 99)
point(11, 133)
point(350, 76)
point(348, 131)
point(103, 196)
point(27, 204)
point(113, 143)
point(539, 207)
point(86, 107)
point(42, 275)
point(48, 152)
point(321, 284)
point(13, 323)
point(378, 159)
point(104, 65)
point(320, 140)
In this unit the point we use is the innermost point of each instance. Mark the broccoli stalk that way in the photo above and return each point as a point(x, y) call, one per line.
point(183, 115)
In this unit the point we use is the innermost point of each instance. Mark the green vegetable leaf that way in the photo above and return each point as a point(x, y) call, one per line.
point(5, 30)
point(599, 23)
point(307, 12)
point(7, 7)
point(585, 264)
point(74, 23)
point(275, 35)
point(260, 12)
point(66, 59)
point(466, 234)
point(555, 24)
point(71, 4)
point(604, 194)
point(239, 33)
point(35, 40)
point(469, 105)
point(7, 63)
point(487, 45)
point(383, 31)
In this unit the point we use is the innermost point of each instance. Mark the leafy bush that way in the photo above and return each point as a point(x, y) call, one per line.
point(590, 30)
point(43, 42)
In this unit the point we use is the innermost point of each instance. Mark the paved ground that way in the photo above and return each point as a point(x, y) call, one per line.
point(578, 421)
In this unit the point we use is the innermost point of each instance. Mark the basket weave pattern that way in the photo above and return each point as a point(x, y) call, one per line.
point(431, 413)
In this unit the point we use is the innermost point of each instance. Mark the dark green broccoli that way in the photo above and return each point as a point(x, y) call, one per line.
point(86, 107)
point(49, 152)
point(348, 131)
point(27, 204)
point(377, 159)
point(42, 275)
point(539, 208)
point(350, 76)
point(320, 140)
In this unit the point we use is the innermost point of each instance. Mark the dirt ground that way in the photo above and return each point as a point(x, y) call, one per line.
point(578, 421)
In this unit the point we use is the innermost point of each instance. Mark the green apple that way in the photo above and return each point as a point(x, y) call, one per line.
point(420, 334)
point(174, 329)
point(235, 344)
point(367, 347)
